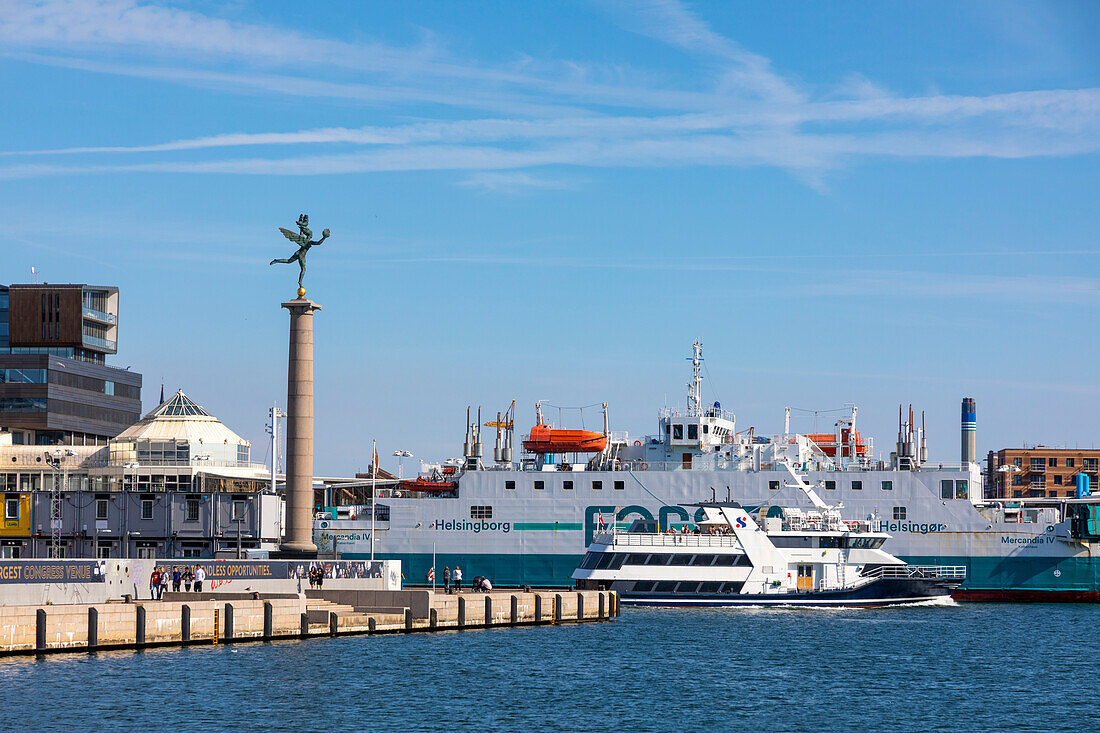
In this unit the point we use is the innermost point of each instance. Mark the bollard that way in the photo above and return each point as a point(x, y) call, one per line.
point(461, 612)
point(40, 630)
point(228, 622)
point(139, 626)
point(372, 625)
point(515, 610)
point(538, 608)
point(433, 618)
point(333, 623)
point(268, 620)
point(185, 624)
point(93, 628)
point(305, 624)
point(580, 606)
point(557, 608)
point(602, 606)
point(488, 610)
point(408, 619)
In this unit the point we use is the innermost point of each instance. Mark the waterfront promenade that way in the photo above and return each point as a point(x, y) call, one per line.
point(219, 618)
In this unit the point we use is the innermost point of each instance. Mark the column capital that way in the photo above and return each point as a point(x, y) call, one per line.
point(301, 304)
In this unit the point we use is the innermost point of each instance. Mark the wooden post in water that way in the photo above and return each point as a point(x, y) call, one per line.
point(305, 625)
point(40, 630)
point(557, 608)
point(461, 612)
point(185, 623)
point(93, 628)
point(333, 623)
point(217, 624)
point(603, 607)
point(538, 608)
point(488, 610)
point(229, 622)
point(139, 625)
point(268, 621)
point(433, 618)
point(515, 610)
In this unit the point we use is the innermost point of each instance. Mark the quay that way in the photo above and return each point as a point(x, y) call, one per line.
point(222, 618)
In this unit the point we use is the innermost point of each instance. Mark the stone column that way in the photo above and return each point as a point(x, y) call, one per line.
point(298, 533)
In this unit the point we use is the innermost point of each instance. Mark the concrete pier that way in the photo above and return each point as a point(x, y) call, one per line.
point(298, 537)
point(211, 618)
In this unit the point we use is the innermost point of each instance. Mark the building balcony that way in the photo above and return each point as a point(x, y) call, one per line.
point(95, 315)
point(99, 344)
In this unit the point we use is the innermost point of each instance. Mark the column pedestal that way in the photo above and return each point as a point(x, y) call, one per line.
point(298, 533)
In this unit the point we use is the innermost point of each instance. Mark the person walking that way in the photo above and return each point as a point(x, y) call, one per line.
point(200, 575)
point(188, 576)
point(154, 583)
point(456, 576)
point(164, 577)
point(177, 578)
point(447, 580)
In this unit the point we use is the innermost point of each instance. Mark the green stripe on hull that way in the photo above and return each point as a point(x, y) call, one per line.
point(1039, 574)
point(551, 526)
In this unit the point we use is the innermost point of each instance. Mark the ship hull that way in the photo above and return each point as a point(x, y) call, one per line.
point(883, 592)
point(529, 536)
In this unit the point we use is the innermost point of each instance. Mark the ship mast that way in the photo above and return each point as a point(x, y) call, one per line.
point(695, 386)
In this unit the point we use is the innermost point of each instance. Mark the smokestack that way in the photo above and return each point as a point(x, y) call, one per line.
point(923, 441)
point(969, 430)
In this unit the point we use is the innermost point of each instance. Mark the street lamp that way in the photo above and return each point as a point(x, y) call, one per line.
point(401, 454)
point(1007, 468)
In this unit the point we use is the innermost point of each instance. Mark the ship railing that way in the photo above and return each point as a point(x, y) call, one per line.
point(933, 572)
point(638, 539)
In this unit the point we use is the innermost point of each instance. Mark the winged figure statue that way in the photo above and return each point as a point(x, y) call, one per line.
point(302, 239)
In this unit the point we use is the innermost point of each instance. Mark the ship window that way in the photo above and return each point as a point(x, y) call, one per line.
point(732, 587)
point(597, 485)
point(693, 432)
point(611, 561)
point(830, 485)
point(665, 586)
point(961, 489)
point(688, 588)
point(677, 432)
point(636, 559)
point(899, 512)
point(658, 560)
point(1052, 461)
point(887, 485)
point(773, 486)
point(796, 541)
point(704, 559)
point(620, 485)
point(947, 489)
point(590, 560)
point(857, 486)
point(11, 508)
point(706, 429)
point(1058, 480)
point(481, 512)
point(727, 561)
point(710, 587)
point(681, 559)
point(540, 485)
point(100, 508)
point(510, 485)
point(828, 542)
point(567, 485)
point(644, 586)
point(666, 428)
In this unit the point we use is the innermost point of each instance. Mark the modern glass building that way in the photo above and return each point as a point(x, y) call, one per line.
point(55, 385)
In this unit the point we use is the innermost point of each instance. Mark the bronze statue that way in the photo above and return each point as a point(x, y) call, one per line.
point(302, 240)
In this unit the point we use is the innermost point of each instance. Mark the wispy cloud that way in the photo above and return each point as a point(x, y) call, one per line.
point(742, 112)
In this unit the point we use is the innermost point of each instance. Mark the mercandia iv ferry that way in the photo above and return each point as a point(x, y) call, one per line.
point(529, 521)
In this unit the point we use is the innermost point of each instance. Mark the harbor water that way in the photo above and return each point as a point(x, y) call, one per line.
point(948, 667)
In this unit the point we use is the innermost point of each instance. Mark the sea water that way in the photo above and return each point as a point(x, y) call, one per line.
point(959, 667)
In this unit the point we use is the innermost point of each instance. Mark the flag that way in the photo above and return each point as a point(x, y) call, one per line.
point(374, 469)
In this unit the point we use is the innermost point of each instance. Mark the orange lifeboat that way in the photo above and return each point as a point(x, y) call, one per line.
point(827, 443)
point(545, 439)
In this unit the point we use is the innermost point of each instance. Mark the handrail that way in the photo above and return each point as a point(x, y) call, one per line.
point(934, 572)
point(639, 539)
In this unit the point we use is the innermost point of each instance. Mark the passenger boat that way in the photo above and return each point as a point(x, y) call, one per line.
point(805, 559)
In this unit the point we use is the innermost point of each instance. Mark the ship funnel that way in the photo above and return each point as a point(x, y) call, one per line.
point(969, 430)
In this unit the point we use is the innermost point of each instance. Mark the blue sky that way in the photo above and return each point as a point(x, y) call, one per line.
point(873, 203)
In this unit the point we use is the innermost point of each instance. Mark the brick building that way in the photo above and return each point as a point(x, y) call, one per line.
point(1039, 472)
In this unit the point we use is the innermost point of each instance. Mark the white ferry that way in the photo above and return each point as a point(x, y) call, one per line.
point(529, 521)
point(805, 559)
